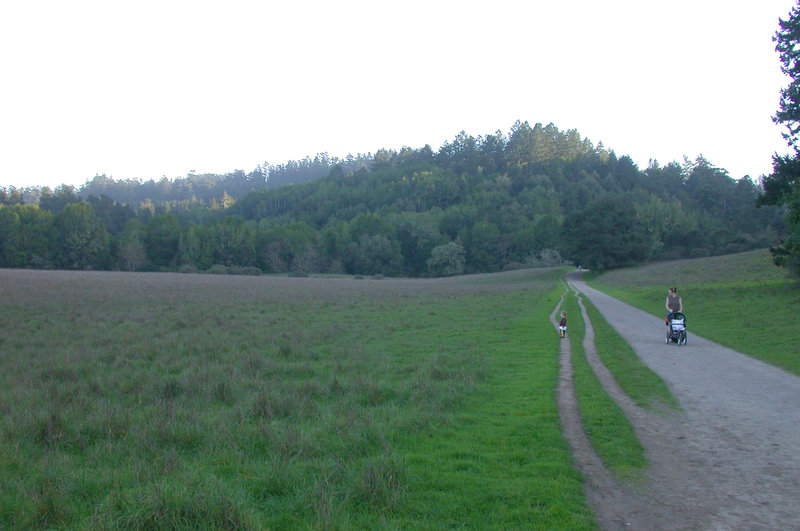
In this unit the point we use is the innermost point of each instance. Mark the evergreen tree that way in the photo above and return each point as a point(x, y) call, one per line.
point(783, 186)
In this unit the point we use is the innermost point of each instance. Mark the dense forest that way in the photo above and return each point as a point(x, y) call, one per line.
point(536, 195)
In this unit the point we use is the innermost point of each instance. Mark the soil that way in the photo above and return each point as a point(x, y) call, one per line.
point(729, 459)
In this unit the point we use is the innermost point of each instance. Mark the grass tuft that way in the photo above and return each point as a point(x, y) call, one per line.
point(198, 506)
point(52, 431)
point(382, 483)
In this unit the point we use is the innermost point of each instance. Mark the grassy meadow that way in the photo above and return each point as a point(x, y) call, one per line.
point(741, 301)
point(165, 401)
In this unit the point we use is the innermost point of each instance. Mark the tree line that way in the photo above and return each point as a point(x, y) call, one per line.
point(203, 187)
point(477, 204)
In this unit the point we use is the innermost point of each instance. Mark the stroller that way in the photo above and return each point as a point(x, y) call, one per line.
point(677, 328)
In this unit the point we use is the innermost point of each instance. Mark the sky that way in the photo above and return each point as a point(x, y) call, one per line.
point(164, 88)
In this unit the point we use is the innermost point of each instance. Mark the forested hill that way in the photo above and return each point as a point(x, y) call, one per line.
point(475, 205)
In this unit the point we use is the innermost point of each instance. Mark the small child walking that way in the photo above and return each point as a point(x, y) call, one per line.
point(562, 325)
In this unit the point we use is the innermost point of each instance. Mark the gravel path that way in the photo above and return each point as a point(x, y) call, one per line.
point(729, 460)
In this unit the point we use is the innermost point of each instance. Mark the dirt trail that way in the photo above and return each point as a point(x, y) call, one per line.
point(729, 460)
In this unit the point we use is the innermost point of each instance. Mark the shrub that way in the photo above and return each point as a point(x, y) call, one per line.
point(188, 268)
point(447, 259)
point(238, 270)
point(218, 269)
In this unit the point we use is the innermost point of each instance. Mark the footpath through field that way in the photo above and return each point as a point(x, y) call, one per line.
point(729, 460)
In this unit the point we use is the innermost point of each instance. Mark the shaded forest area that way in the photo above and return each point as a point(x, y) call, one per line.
point(533, 196)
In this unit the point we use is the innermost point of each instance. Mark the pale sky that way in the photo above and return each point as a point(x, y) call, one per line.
point(161, 88)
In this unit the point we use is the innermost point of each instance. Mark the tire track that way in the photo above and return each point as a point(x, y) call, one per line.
point(615, 506)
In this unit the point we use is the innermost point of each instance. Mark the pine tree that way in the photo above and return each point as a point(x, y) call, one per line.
point(783, 186)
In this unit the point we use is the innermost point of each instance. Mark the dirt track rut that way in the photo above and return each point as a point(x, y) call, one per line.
point(729, 460)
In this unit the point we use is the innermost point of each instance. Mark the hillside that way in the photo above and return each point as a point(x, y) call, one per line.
point(721, 296)
point(536, 195)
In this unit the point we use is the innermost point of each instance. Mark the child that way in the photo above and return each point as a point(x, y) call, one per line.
point(562, 325)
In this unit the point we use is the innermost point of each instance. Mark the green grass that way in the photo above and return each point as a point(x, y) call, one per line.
point(741, 301)
point(639, 382)
point(609, 430)
point(195, 401)
point(502, 463)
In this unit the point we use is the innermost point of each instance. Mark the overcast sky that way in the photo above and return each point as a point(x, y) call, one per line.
point(161, 88)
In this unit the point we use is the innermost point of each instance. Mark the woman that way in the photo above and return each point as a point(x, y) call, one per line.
point(674, 302)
